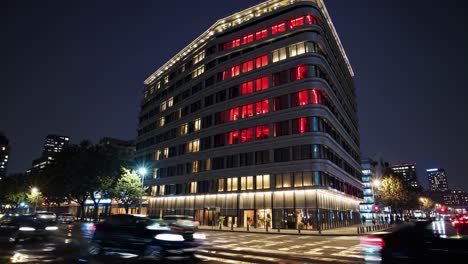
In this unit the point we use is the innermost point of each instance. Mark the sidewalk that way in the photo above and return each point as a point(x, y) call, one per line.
point(340, 231)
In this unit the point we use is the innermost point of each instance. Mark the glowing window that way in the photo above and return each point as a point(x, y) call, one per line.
point(316, 97)
point(166, 153)
point(278, 28)
point(263, 181)
point(163, 106)
point(247, 183)
point(231, 184)
point(234, 114)
point(262, 132)
point(247, 66)
point(198, 71)
point(221, 185)
point(261, 107)
point(246, 135)
point(157, 155)
point(158, 85)
point(226, 75)
point(184, 129)
point(247, 39)
point(296, 22)
point(261, 61)
point(162, 189)
point(193, 186)
point(235, 70)
point(299, 73)
point(197, 124)
point(246, 88)
point(233, 137)
point(161, 121)
point(261, 34)
point(247, 111)
point(303, 125)
point(297, 49)
point(261, 83)
point(170, 102)
point(310, 19)
point(195, 170)
point(279, 55)
point(194, 145)
point(235, 43)
point(166, 79)
point(200, 56)
point(303, 97)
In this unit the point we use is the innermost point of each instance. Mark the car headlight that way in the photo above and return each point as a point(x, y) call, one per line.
point(199, 236)
point(25, 228)
point(51, 228)
point(169, 237)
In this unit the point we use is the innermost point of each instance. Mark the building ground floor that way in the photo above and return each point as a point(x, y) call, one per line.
point(315, 209)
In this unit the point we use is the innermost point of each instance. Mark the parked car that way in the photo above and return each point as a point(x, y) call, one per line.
point(421, 241)
point(144, 237)
point(65, 218)
point(22, 227)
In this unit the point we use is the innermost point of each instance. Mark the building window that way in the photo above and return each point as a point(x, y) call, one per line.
point(316, 96)
point(281, 128)
point(166, 79)
point(234, 114)
point(262, 132)
point(261, 83)
point(299, 73)
point(157, 155)
point(200, 56)
point(194, 146)
point(261, 34)
point(163, 106)
point(220, 185)
point(301, 152)
point(283, 180)
point(231, 184)
point(311, 19)
point(262, 157)
point(162, 189)
point(280, 103)
point(263, 181)
point(278, 28)
point(279, 55)
point(247, 66)
point(233, 137)
point(170, 102)
point(296, 22)
point(197, 125)
point(280, 78)
point(246, 135)
point(246, 88)
point(261, 61)
point(198, 71)
point(161, 121)
point(300, 98)
point(261, 107)
point(297, 49)
point(166, 153)
point(195, 166)
point(301, 125)
point(193, 187)
point(235, 43)
point(247, 183)
point(235, 70)
point(247, 39)
point(247, 111)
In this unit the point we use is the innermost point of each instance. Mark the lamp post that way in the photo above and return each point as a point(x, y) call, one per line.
point(35, 193)
point(142, 171)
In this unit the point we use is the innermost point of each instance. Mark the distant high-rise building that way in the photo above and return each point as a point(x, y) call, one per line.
point(125, 148)
point(407, 172)
point(53, 144)
point(369, 174)
point(437, 180)
point(4, 155)
point(455, 198)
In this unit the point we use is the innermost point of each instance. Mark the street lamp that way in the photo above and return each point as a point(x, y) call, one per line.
point(35, 193)
point(142, 171)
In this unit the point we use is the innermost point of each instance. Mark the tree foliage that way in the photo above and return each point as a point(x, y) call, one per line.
point(128, 189)
point(392, 192)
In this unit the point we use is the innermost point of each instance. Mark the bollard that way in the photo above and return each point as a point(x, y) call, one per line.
point(298, 230)
point(278, 229)
point(248, 227)
point(358, 229)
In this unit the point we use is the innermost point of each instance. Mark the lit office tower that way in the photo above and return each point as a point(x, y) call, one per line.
point(437, 180)
point(406, 172)
point(53, 144)
point(4, 154)
point(256, 120)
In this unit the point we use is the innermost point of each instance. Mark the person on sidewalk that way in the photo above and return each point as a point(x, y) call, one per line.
point(363, 218)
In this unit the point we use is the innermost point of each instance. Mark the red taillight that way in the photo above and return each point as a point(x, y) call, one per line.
point(372, 241)
point(92, 227)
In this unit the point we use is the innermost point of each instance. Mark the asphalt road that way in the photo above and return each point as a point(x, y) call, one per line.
point(69, 245)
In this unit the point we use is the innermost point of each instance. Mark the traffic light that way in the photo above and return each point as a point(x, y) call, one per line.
point(376, 208)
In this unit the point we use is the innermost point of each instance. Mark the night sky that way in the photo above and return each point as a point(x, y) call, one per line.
point(76, 68)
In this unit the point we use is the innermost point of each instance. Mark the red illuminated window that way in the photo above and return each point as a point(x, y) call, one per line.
point(296, 22)
point(226, 46)
point(261, 34)
point(247, 39)
point(299, 73)
point(235, 43)
point(247, 66)
point(278, 28)
point(262, 132)
point(303, 125)
point(226, 75)
point(303, 97)
point(235, 70)
point(316, 97)
point(261, 61)
point(234, 114)
point(261, 83)
point(247, 111)
point(311, 19)
point(246, 88)
point(246, 135)
point(233, 137)
point(261, 107)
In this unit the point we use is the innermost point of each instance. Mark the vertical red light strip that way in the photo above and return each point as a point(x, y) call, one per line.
point(303, 98)
point(315, 98)
point(309, 19)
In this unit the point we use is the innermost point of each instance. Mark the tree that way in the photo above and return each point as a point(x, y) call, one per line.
point(14, 190)
point(426, 203)
point(392, 192)
point(128, 189)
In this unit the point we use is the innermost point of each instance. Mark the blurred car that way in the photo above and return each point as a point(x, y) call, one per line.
point(149, 239)
point(22, 227)
point(183, 221)
point(421, 241)
point(65, 218)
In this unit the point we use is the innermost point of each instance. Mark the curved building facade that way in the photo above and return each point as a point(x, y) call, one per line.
point(256, 120)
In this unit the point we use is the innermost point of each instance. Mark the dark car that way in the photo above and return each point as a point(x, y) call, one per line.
point(65, 218)
point(416, 242)
point(144, 237)
point(23, 227)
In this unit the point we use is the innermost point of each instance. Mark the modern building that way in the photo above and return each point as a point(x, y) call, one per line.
point(437, 180)
point(53, 144)
point(256, 120)
point(407, 172)
point(4, 155)
point(455, 198)
point(125, 148)
point(369, 175)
